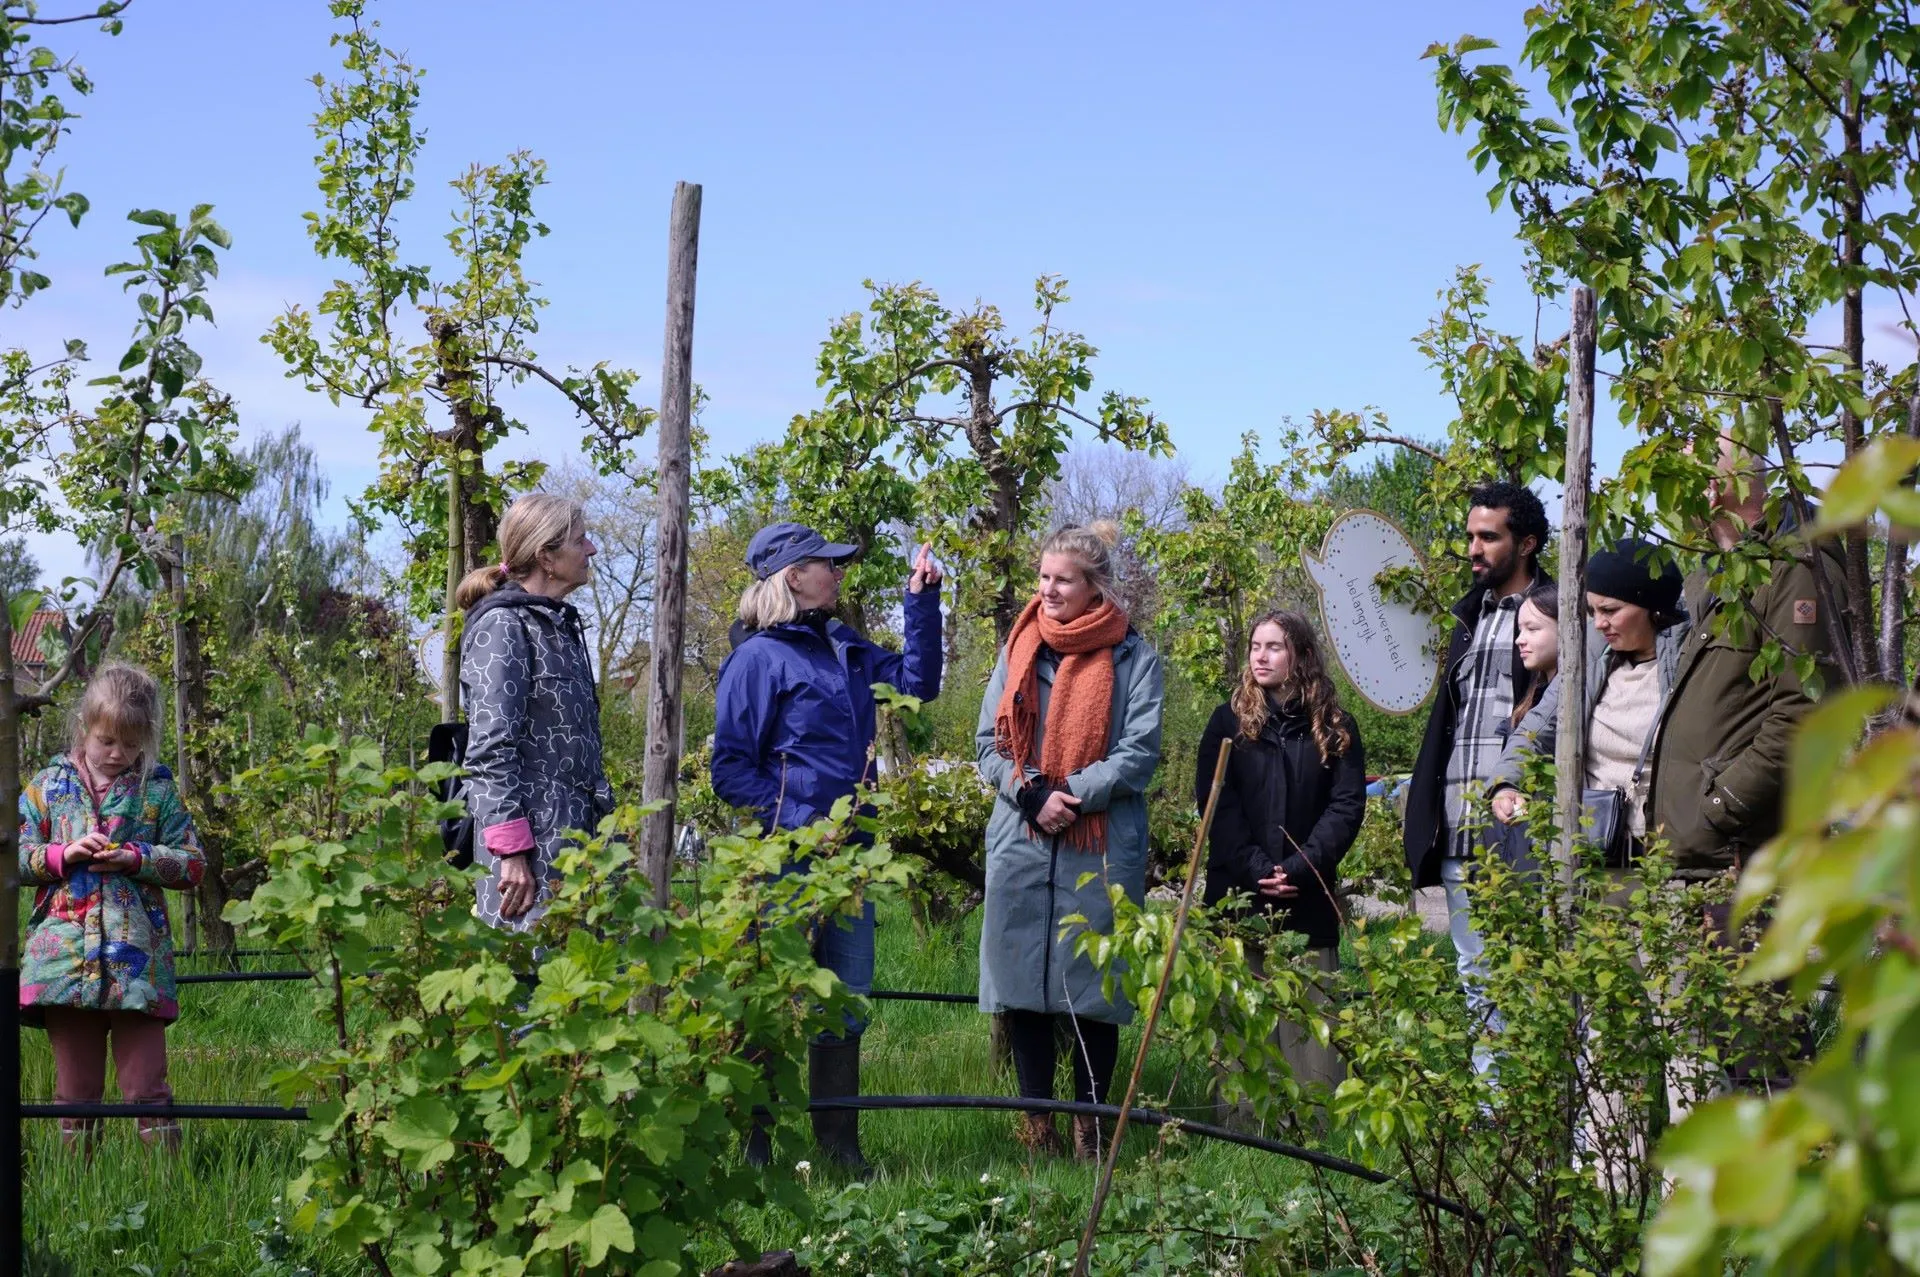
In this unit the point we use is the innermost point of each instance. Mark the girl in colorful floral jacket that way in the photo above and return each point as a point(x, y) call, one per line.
point(102, 832)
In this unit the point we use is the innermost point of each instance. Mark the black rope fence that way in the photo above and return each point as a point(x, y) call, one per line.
point(1149, 1117)
point(236, 1112)
point(1004, 1103)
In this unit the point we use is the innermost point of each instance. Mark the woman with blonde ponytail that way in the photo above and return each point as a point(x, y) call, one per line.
point(1069, 738)
point(533, 754)
point(1294, 799)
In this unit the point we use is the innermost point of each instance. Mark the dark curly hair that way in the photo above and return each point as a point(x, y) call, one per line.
point(1526, 517)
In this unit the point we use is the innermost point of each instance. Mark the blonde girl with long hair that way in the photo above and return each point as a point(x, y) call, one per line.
point(103, 837)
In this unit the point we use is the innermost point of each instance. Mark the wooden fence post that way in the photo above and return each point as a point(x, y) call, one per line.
point(12, 1235)
point(456, 569)
point(1570, 748)
point(182, 777)
point(660, 779)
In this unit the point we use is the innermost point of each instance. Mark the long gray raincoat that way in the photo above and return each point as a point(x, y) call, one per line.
point(1032, 881)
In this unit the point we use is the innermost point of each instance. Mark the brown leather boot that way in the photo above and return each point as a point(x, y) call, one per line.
point(1086, 1138)
point(1036, 1134)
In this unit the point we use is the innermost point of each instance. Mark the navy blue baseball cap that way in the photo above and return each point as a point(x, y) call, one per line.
point(781, 545)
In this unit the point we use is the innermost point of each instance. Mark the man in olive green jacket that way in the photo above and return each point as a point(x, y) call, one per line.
point(1720, 760)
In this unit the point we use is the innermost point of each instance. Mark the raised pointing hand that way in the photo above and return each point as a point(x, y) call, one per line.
point(925, 570)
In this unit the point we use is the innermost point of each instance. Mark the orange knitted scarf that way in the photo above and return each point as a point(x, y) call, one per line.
point(1080, 710)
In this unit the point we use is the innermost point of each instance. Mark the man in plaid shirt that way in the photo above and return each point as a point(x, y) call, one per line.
point(1482, 680)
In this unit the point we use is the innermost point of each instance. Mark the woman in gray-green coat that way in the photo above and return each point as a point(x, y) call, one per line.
point(1069, 737)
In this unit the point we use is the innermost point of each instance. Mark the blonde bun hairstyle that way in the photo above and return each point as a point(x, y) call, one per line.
point(1092, 547)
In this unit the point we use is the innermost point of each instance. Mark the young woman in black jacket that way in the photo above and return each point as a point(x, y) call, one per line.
point(1294, 799)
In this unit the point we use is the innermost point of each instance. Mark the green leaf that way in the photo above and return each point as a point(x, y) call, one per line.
point(22, 606)
point(1753, 1188)
point(422, 1128)
point(1822, 744)
point(438, 989)
point(1857, 490)
point(609, 1229)
point(1681, 1239)
point(518, 1146)
point(493, 1079)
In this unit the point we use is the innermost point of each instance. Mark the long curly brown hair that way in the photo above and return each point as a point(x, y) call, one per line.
point(1307, 685)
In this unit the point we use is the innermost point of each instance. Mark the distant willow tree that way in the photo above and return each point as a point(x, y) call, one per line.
point(19, 570)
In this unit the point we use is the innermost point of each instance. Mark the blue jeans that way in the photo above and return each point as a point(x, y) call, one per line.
point(1469, 949)
point(844, 946)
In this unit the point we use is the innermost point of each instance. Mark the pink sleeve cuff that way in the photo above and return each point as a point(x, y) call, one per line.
point(57, 858)
point(509, 838)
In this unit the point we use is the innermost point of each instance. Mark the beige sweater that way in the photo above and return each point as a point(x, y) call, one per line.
point(1618, 731)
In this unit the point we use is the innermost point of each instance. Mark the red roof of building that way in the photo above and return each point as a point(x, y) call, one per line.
point(26, 639)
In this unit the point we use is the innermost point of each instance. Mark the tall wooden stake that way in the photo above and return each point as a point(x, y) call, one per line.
point(456, 568)
point(1085, 1254)
point(660, 779)
point(1570, 748)
point(182, 780)
point(12, 1234)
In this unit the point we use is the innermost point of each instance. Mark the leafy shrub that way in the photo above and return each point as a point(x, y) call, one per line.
point(938, 813)
point(1824, 1177)
point(578, 1118)
point(1551, 1151)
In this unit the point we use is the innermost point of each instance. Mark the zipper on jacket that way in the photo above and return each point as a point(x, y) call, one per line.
point(1046, 954)
point(839, 655)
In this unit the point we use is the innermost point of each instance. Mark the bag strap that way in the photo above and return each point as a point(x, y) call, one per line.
point(1646, 752)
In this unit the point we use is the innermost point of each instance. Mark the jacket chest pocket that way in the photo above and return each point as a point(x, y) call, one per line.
point(819, 709)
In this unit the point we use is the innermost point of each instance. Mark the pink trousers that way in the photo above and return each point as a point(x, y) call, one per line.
point(80, 1039)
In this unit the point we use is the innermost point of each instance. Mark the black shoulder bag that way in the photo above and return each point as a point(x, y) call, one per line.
point(1603, 812)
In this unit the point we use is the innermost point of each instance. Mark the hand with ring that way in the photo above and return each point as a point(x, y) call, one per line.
point(1059, 811)
point(517, 888)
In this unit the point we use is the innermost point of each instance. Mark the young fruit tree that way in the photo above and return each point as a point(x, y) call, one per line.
point(1735, 183)
point(436, 401)
point(946, 418)
point(109, 465)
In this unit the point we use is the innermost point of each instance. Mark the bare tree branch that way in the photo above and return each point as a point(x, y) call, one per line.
point(1412, 445)
point(585, 407)
point(908, 376)
point(113, 9)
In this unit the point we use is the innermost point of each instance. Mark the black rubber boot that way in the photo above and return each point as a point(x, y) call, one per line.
point(759, 1146)
point(758, 1149)
point(833, 1072)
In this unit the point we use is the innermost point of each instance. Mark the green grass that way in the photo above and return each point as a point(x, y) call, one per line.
point(200, 1207)
point(203, 1210)
point(923, 1048)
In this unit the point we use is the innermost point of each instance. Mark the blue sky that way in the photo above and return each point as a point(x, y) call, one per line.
point(1254, 203)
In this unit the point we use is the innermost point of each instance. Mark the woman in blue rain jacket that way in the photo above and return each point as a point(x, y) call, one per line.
point(793, 734)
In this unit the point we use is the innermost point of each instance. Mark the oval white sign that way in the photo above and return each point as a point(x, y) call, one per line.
point(1381, 643)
